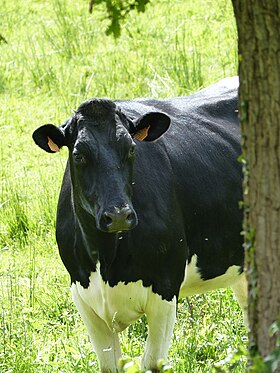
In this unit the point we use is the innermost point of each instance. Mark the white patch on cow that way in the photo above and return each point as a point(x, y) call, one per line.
point(161, 317)
point(119, 305)
point(105, 342)
point(194, 284)
point(108, 310)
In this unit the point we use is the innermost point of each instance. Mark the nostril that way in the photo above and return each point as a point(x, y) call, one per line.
point(130, 217)
point(107, 219)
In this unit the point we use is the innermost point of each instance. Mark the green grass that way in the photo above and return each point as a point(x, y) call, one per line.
point(56, 56)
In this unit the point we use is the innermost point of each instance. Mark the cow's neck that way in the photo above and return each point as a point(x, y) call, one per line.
point(99, 246)
point(92, 245)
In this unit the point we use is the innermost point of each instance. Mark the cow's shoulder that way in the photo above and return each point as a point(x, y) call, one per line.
point(69, 238)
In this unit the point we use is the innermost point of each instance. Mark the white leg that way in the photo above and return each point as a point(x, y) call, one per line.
point(105, 342)
point(161, 316)
point(240, 289)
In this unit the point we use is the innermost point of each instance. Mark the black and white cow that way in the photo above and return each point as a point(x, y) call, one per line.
point(144, 219)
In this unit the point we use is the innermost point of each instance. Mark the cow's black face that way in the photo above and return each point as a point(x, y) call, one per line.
point(101, 164)
point(101, 155)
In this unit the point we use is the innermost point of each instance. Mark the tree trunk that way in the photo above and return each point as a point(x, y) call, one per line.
point(258, 25)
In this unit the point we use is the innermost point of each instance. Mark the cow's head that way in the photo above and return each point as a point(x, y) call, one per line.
point(102, 147)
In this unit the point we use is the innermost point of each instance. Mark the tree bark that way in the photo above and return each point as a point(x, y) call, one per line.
point(258, 25)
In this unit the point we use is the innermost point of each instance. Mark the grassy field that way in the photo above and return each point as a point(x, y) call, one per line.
point(55, 56)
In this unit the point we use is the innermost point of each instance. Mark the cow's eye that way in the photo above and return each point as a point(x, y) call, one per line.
point(79, 158)
point(132, 151)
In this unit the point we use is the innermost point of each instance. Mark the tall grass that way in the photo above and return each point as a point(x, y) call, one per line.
point(56, 56)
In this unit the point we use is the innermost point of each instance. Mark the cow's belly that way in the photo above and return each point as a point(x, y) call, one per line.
point(194, 284)
point(118, 306)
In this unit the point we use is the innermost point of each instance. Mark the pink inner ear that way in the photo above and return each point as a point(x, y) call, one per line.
point(52, 145)
point(142, 134)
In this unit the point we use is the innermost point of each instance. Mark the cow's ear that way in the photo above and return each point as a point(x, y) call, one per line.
point(49, 137)
point(150, 126)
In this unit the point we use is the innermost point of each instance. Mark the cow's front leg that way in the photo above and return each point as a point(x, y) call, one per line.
point(105, 342)
point(161, 316)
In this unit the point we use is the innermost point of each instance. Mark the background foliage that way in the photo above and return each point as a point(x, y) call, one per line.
point(53, 56)
point(117, 11)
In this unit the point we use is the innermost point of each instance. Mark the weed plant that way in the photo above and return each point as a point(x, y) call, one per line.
point(54, 55)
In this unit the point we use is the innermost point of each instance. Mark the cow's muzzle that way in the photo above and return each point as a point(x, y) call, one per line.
point(118, 219)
